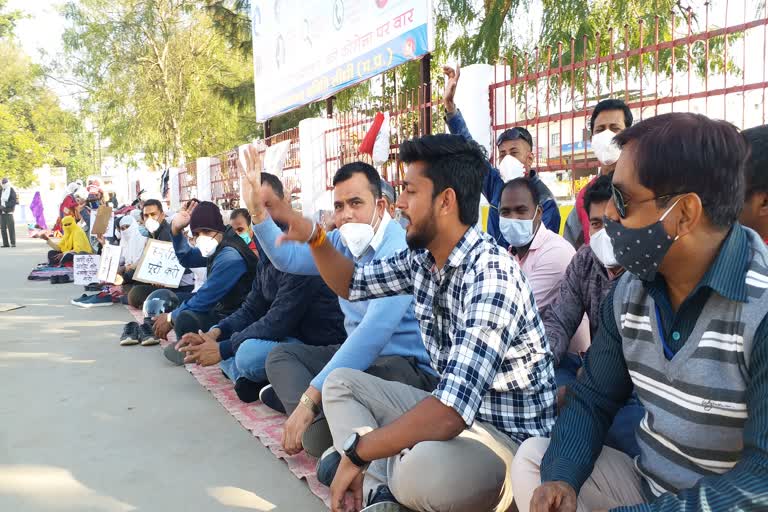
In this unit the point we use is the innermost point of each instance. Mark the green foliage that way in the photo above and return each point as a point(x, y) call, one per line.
point(154, 71)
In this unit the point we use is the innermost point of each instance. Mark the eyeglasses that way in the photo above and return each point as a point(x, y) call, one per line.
point(514, 134)
point(621, 204)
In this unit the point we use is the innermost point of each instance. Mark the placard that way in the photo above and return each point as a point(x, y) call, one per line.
point(107, 221)
point(159, 266)
point(110, 261)
point(86, 268)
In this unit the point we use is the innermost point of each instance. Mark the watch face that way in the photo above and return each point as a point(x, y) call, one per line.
point(350, 442)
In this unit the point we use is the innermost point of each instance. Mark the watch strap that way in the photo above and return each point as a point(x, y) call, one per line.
point(309, 404)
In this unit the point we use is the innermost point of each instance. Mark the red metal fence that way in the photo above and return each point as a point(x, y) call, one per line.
point(412, 113)
point(684, 66)
point(717, 72)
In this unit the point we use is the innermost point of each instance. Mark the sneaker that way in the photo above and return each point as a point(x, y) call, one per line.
point(247, 390)
point(382, 500)
point(173, 355)
point(317, 438)
point(99, 300)
point(147, 335)
point(130, 334)
point(327, 466)
point(269, 398)
point(79, 301)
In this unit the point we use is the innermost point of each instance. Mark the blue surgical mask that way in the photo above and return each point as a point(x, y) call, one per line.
point(144, 231)
point(245, 236)
point(518, 232)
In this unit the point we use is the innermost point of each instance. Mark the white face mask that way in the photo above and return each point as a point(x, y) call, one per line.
point(152, 225)
point(601, 245)
point(511, 168)
point(518, 232)
point(357, 236)
point(206, 245)
point(606, 151)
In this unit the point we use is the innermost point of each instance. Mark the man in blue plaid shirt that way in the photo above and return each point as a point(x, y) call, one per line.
point(450, 449)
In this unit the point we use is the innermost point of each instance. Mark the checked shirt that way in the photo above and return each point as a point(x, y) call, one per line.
point(481, 328)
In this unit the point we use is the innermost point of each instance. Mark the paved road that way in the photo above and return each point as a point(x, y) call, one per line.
point(87, 425)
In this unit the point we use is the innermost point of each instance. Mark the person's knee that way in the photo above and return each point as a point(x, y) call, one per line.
point(251, 356)
point(340, 381)
point(285, 354)
point(529, 455)
point(424, 480)
point(186, 322)
point(136, 297)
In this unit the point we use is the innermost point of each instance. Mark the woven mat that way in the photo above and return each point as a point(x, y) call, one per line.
point(265, 424)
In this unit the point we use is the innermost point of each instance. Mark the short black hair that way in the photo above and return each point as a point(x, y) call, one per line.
point(757, 165)
point(611, 104)
point(240, 212)
point(680, 153)
point(452, 162)
point(152, 202)
point(598, 192)
point(274, 183)
point(524, 182)
point(345, 172)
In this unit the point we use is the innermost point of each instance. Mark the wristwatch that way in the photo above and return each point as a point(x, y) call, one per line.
point(350, 450)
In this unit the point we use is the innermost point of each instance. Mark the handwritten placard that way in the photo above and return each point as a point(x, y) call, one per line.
point(86, 268)
point(110, 261)
point(159, 266)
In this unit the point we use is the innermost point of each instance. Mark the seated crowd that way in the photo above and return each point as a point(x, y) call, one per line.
point(431, 366)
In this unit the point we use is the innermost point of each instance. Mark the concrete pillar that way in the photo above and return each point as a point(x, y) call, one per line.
point(313, 151)
point(204, 178)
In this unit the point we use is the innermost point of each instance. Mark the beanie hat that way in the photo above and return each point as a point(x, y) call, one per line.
point(206, 215)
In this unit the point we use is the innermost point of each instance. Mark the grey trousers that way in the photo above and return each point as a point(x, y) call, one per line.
point(8, 228)
point(614, 481)
point(469, 473)
point(291, 368)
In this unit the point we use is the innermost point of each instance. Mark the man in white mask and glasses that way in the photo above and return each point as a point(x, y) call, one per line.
point(542, 254)
point(588, 279)
point(383, 336)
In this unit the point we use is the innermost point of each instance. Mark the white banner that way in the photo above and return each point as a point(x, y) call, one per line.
point(306, 51)
point(110, 261)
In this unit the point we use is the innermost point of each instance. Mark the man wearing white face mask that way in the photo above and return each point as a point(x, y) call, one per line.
point(587, 281)
point(231, 268)
point(609, 118)
point(542, 254)
point(515, 159)
point(382, 334)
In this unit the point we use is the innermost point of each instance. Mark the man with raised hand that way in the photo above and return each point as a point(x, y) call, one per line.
point(450, 449)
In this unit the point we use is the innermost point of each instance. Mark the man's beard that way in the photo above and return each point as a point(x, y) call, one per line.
point(423, 237)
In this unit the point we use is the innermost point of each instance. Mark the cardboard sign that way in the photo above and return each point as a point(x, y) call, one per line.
point(86, 269)
point(102, 221)
point(110, 261)
point(159, 266)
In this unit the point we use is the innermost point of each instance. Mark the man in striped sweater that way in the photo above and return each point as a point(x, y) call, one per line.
point(686, 325)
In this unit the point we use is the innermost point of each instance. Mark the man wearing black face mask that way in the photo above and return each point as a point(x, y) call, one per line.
point(686, 324)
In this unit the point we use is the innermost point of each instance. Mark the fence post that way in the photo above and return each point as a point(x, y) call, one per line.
point(426, 103)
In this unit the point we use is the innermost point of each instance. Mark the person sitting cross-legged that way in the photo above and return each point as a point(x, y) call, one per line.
point(686, 325)
point(281, 308)
point(451, 449)
point(231, 268)
point(382, 335)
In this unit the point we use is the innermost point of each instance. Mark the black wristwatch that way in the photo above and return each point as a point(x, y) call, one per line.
point(350, 450)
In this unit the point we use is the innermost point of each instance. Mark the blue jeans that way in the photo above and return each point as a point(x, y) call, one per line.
point(250, 359)
point(621, 435)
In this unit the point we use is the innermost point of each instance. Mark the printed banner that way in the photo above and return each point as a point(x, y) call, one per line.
point(307, 51)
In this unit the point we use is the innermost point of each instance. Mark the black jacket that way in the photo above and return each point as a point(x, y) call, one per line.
point(10, 205)
point(283, 305)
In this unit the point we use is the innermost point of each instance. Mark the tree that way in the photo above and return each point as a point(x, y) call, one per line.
point(150, 69)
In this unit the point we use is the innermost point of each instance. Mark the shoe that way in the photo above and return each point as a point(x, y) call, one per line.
point(98, 300)
point(317, 438)
point(382, 500)
point(269, 398)
point(93, 287)
point(173, 355)
point(79, 301)
point(147, 335)
point(247, 390)
point(54, 279)
point(327, 466)
point(130, 334)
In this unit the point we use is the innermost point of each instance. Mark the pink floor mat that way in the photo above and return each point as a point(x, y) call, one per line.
point(264, 423)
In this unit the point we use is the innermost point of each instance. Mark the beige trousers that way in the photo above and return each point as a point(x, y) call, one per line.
point(468, 473)
point(614, 481)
